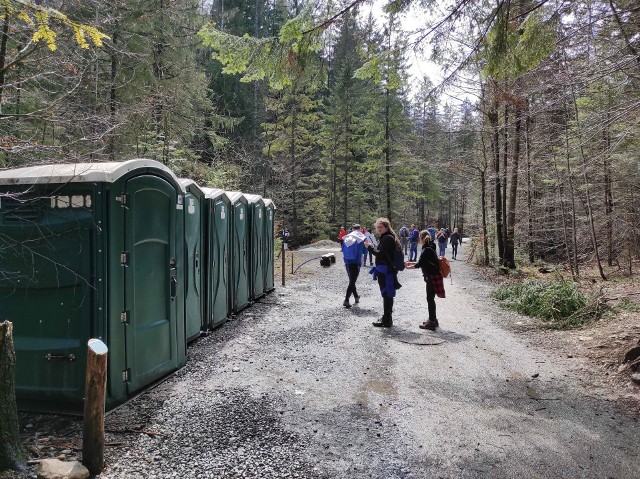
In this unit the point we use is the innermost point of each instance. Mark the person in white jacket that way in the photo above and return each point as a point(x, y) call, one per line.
point(372, 241)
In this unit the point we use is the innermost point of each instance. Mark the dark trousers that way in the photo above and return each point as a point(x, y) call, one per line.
point(353, 270)
point(454, 248)
point(403, 245)
point(387, 302)
point(431, 302)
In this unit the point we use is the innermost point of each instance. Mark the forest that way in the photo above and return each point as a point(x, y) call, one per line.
point(527, 140)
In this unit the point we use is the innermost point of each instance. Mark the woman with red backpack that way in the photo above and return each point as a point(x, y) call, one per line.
point(430, 266)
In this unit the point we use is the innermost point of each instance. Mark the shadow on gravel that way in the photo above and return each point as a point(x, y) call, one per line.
point(362, 312)
point(451, 336)
point(412, 337)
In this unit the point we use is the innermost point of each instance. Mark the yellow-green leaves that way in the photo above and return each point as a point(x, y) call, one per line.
point(43, 18)
point(43, 31)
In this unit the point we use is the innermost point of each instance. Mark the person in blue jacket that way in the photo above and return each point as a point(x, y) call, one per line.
point(353, 249)
point(413, 240)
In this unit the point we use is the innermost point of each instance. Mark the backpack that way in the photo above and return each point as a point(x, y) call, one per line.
point(404, 232)
point(445, 267)
point(442, 238)
point(351, 253)
point(398, 260)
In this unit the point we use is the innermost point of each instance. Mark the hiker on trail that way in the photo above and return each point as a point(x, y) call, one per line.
point(342, 234)
point(454, 241)
point(413, 240)
point(352, 250)
point(370, 237)
point(430, 266)
point(404, 239)
point(384, 270)
point(432, 232)
point(441, 238)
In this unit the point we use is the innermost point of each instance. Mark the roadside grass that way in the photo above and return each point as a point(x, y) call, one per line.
point(558, 303)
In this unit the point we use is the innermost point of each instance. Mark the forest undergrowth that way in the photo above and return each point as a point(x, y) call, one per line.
point(595, 321)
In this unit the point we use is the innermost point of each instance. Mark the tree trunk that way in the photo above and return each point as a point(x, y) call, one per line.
point(505, 164)
point(509, 255)
point(387, 160)
point(11, 452)
point(485, 231)
point(530, 243)
point(113, 94)
point(3, 55)
point(560, 191)
point(587, 192)
point(495, 147)
point(573, 201)
point(608, 196)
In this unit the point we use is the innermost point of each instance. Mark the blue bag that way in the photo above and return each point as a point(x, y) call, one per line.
point(353, 253)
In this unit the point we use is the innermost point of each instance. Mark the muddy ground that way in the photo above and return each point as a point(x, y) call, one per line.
point(299, 386)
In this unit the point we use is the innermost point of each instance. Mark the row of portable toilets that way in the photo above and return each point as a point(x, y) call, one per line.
point(127, 253)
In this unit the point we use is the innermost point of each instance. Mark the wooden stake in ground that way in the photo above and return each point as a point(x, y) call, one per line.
point(11, 452)
point(94, 401)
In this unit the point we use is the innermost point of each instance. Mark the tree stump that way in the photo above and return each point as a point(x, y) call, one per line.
point(11, 452)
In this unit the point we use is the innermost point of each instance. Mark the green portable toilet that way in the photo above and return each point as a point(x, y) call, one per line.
point(91, 251)
point(194, 228)
point(269, 237)
point(255, 206)
point(239, 237)
point(217, 256)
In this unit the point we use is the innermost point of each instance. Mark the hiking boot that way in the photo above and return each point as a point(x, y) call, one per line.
point(383, 323)
point(357, 298)
point(431, 325)
point(346, 303)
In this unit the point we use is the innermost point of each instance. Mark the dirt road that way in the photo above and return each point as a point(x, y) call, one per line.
point(299, 386)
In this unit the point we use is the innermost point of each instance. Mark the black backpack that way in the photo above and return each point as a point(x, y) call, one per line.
point(398, 260)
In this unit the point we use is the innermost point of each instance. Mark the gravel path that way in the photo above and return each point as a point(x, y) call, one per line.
point(298, 386)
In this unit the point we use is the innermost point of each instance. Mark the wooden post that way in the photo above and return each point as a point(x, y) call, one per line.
point(11, 452)
point(284, 261)
point(94, 401)
point(292, 262)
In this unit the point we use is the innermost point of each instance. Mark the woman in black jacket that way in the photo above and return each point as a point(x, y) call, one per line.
point(384, 271)
point(430, 266)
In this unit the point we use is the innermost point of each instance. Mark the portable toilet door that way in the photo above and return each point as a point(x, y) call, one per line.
point(239, 271)
point(194, 228)
point(153, 261)
point(269, 237)
point(217, 256)
point(257, 245)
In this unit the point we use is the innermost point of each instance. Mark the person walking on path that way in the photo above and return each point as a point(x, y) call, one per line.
point(432, 232)
point(430, 266)
point(371, 238)
point(404, 239)
point(352, 250)
point(413, 240)
point(341, 234)
point(383, 271)
point(441, 238)
point(454, 241)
